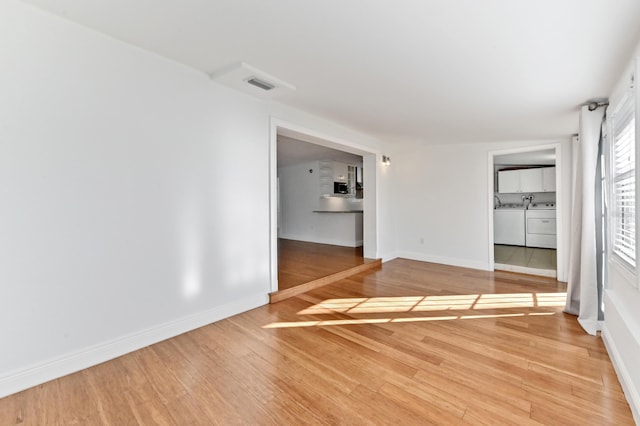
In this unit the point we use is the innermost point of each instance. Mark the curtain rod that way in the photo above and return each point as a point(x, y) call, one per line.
point(594, 105)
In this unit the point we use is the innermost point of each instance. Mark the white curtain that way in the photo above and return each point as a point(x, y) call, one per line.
point(584, 281)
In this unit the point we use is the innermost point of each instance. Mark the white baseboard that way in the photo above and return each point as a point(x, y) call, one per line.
point(524, 270)
point(464, 263)
point(387, 257)
point(33, 375)
point(631, 391)
point(320, 240)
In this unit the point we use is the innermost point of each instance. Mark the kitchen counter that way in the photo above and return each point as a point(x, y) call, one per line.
point(337, 211)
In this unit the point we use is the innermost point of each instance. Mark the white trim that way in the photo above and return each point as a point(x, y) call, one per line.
point(370, 206)
point(634, 331)
point(561, 235)
point(616, 312)
point(630, 392)
point(622, 267)
point(464, 263)
point(389, 257)
point(491, 185)
point(273, 203)
point(42, 372)
point(309, 135)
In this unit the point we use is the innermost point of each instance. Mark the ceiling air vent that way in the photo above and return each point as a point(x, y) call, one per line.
point(264, 85)
point(242, 76)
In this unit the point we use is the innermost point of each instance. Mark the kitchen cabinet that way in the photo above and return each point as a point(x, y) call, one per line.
point(541, 179)
point(351, 179)
point(549, 179)
point(509, 181)
point(530, 180)
point(325, 178)
point(333, 171)
point(340, 172)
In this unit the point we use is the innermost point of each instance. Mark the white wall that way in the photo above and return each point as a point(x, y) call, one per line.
point(124, 203)
point(135, 197)
point(441, 197)
point(299, 197)
point(621, 331)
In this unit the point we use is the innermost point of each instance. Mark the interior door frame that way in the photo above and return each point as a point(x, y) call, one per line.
point(562, 202)
point(371, 170)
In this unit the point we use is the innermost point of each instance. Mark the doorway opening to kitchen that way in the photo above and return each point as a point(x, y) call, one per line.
point(320, 231)
point(524, 211)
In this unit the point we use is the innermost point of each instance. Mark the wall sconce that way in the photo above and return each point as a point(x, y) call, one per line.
point(386, 160)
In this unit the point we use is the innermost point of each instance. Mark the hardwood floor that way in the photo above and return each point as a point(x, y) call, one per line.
point(412, 343)
point(287, 293)
point(300, 262)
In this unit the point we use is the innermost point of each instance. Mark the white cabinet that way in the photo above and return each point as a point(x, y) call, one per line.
point(333, 171)
point(325, 178)
point(340, 172)
point(549, 179)
point(530, 180)
point(351, 179)
point(509, 181)
point(541, 179)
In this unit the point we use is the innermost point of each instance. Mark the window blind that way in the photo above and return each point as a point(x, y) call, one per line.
point(624, 182)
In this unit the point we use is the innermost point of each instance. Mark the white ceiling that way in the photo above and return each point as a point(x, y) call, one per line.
point(292, 151)
point(542, 157)
point(426, 71)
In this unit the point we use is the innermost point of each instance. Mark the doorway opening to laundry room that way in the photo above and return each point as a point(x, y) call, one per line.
point(524, 212)
point(324, 227)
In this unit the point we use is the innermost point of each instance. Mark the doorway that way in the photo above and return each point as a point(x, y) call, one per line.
point(320, 198)
point(526, 227)
point(317, 226)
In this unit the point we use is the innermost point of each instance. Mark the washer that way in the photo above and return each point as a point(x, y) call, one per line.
point(508, 225)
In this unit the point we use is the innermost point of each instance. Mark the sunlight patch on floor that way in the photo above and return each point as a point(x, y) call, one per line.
point(435, 303)
point(357, 321)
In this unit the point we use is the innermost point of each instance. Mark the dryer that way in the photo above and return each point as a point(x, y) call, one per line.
point(541, 225)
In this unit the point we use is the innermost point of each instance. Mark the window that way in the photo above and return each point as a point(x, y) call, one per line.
point(623, 179)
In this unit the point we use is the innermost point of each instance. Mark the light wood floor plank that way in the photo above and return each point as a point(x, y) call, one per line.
point(390, 346)
point(300, 262)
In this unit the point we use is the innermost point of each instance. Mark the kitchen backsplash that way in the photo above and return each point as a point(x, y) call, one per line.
point(538, 197)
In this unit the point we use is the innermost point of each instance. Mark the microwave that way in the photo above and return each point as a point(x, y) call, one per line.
point(340, 188)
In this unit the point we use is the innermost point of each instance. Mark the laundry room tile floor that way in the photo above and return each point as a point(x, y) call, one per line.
point(529, 257)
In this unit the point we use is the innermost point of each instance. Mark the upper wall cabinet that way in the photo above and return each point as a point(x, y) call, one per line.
point(333, 171)
point(527, 180)
point(340, 172)
point(325, 178)
point(509, 181)
point(549, 179)
point(530, 180)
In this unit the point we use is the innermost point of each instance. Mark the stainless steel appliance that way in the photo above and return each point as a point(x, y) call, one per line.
point(340, 188)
